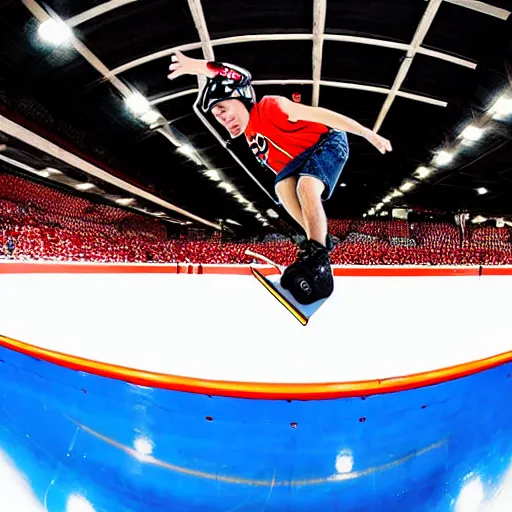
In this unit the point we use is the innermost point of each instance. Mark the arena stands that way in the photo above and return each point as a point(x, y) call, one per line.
point(40, 223)
point(489, 238)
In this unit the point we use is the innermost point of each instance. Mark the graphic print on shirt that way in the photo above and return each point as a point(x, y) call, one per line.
point(259, 146)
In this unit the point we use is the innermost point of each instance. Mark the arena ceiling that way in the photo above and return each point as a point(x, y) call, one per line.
point(418, 72)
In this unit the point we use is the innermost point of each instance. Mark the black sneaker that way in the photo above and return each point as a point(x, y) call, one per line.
point(313, 257)
point(310, 279)
point(304, 249)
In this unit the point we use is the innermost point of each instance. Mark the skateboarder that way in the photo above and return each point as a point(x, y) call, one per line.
point(305, 146)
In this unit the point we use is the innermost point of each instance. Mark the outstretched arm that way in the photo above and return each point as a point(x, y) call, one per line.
point(300, 112)
point(183, 65)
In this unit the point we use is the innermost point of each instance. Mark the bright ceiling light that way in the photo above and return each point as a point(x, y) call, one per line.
point(51, 170)
point(478, 219)
point(482, 190)
point(343, 184)
point(54, 32)
point(396, 193)
point(423, 172)
point(387, 199)
point(186, 150)
point(383, 214)
point(213, 175)
point(137, 103)
point(472, 133)
point(408, 185)
point(371, 212)
point(272, 213)
point(150, 117)
point(364, 214)
point(250, 208)
point(443, 158)
point(230, 221)
point(241, 199)
point(125, 201)
point(379, 206)
point(84, 186)
point(189, 152)
point(502, 108)
point(227, 186)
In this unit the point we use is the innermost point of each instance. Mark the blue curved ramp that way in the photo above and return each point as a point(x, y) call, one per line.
point(76, 442)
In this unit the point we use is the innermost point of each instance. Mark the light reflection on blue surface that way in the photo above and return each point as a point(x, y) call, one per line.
point(74, 442)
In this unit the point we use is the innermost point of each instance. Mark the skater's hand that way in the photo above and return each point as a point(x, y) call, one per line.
point(379, 142)
point(181, 65)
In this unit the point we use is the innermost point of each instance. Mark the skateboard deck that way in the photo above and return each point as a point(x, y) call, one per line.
point(302, 312)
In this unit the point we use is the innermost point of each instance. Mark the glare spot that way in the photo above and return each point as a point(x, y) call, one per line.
point(143, 445)
point(77, 503)
point(470, 496)
point(344, 462)
point(137, 103)
point(16, 493)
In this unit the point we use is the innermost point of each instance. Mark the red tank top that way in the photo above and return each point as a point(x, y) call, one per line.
point(274, 139)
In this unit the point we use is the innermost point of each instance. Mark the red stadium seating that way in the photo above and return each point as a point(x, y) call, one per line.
point(46, 224)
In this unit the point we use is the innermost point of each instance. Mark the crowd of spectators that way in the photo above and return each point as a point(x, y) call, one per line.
point(40, 223)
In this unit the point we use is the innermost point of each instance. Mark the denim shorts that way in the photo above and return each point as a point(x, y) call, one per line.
point(325, 161)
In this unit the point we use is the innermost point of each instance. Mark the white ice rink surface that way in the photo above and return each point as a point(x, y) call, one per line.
point(228, 327)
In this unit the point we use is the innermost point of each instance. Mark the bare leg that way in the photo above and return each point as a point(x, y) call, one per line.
point(287, 192)
point(309, 192)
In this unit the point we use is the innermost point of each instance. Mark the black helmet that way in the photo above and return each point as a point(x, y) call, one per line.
point(222, 88)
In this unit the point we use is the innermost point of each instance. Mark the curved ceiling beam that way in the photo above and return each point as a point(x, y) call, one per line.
point(424, 99)
point(326, 83)
point(482, 7)
point(173, 96)
point(96, 11)
point(251, 38)
point(108, 6)
point(449, 58)
point(366, 40)
point(215, 42)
